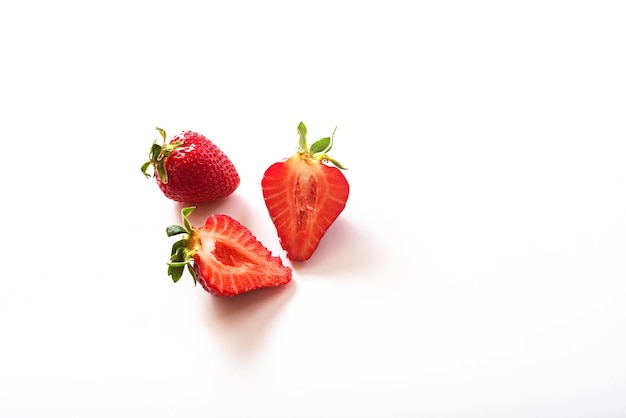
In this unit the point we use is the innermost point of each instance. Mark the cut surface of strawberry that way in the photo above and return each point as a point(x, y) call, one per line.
point(224, 257)
point(304, 196)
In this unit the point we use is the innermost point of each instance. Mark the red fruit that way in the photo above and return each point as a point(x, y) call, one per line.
point(304, 196)
point(191, 168)
point(224, 257)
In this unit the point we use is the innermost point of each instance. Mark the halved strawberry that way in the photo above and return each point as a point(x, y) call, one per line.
point(304, 196)
point(224, 257)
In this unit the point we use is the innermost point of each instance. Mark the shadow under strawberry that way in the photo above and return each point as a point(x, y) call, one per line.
point(347, 250)
point(242, 322)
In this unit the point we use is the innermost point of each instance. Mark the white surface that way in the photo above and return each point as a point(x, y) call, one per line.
point(477, 270)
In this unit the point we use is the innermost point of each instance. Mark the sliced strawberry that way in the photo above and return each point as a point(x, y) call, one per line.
point(304, 196)
point(224, 257)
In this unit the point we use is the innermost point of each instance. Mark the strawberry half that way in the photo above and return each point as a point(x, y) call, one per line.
point(224, 257)
point(191, 168)
point(304, 196)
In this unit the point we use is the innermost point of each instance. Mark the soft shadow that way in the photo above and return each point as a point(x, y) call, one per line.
point(346, 250)
point(234, 206)
point(242, 320)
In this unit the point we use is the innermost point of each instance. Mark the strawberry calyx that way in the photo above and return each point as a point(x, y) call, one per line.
point(183, 250)
point(157, 156)
point(319, 149)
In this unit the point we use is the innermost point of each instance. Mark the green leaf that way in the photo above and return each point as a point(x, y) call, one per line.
point(321, 146)
point(167, 149)
point(144, 169)
point(175, 230)
point(176, 272)
point(153, 155)
point(302, 137)
point(185, 213)
point(177, 254)
point(178, 263)
point(179, 245)
point(162, 173)
point(155, 152)
point(335, 162)
point(162, 133)
point(180, 255)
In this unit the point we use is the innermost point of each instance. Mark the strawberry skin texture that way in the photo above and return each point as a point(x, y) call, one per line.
point(304, 197)
point(198, 171)
point(229, 260)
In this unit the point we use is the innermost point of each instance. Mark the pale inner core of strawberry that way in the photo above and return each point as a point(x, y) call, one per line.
point(229, 255)
point(305, 198)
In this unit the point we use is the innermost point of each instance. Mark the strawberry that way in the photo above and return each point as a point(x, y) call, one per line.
point(304, 196)
point(224, 257)
point(191, 168)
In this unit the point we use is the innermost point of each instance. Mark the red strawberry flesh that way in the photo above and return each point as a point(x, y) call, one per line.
point(229, 260)
point(304, 197)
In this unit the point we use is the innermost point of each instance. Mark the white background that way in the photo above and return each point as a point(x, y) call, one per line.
point(478, 268)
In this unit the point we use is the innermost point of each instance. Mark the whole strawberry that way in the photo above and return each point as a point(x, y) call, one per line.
point(191, 168)
point(224, 257)
point(304, 196)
